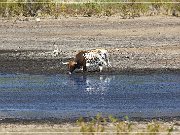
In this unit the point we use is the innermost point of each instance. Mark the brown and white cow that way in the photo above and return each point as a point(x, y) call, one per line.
point(85, 60)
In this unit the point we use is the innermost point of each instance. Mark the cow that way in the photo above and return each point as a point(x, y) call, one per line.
point(97, 58)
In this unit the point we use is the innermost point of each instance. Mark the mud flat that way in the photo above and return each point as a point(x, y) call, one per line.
point(140, 44)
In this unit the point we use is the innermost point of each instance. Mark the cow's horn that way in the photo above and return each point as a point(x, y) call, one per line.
point(65, 63)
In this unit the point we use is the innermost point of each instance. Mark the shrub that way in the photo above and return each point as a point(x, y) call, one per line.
point(95, 125)
point(99, 124)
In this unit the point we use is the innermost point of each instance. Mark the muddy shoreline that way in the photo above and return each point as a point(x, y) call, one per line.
point(72, 127)
point(87, 119)
point(145, 44)
point(45, 62)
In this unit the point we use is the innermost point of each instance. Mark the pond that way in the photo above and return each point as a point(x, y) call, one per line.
point(61, 96)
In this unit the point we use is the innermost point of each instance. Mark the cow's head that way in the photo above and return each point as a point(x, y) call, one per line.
point(72, 65)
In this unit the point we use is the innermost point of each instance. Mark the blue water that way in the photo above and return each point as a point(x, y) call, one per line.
point(70, 96)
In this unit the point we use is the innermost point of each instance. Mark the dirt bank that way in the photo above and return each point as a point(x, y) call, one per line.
point(146, 43)
point(108, 129)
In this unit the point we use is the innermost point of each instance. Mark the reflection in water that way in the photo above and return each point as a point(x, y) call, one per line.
point(56, 96)
point(92, 85)
point(98, 87)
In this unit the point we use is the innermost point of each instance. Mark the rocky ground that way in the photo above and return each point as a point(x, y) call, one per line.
point(145, 43)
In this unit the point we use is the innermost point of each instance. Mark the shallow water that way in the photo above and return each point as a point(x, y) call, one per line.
point(70, 96)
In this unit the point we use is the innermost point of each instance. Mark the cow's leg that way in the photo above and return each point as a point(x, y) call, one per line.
point(100, 68)
point(108, 62)
point(84, 68)
point(81, 68)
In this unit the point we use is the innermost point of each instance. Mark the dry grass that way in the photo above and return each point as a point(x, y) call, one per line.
point(50, 8)
point(97, 125)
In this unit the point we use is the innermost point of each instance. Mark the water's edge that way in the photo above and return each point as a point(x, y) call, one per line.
point(45, 62)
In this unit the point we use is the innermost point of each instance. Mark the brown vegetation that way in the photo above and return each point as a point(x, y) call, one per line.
point(44, 8)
